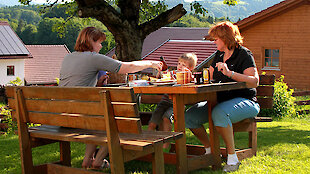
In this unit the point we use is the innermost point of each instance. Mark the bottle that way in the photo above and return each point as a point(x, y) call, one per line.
point(165, 66)
point(206, 75)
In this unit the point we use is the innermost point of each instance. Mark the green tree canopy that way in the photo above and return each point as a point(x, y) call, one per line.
point(130, 21)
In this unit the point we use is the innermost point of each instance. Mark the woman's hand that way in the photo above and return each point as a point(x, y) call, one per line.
point(157, 65)
point(223, 68)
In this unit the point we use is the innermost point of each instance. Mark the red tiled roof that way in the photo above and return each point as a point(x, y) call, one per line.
point(270, 12)
point(172, 49)
point(11, 47)
point(159, 36)
point(46, 63)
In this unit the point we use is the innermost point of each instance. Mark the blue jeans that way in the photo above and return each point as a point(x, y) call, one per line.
point(223, 114)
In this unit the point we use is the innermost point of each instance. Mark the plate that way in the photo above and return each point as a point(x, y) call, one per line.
point(164, 83)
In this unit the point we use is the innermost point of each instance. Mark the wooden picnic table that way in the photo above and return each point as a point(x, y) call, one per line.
point(189, 157)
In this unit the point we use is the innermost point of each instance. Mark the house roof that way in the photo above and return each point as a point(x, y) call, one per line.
point(172, 49)
point(46, 63)
point(11, 47)
point(161, 35)
point(270, 12)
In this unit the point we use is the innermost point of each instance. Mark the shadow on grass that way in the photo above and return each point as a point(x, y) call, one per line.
point(282, 134)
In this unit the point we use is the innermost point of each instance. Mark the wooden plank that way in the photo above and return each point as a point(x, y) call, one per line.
point(23, 135)
point(303, 102)
point(214, 136)
point(89, 138)
point(127, 125)
point(36, 142)
point(73, 106)
point(65, 153)
point(57, 169)
point(158, 165)
point(193, 99)
point(301, 93)
point(201, 161)
point(118, 94)
point(132, 155)
point(265, 103)
point(150, 99)
point(265, 91)
point(266, 79)
point(263, 119)
point(178, 109)
point(241, 153)
point(115, 150)
point(243, 126)
point(190, 89)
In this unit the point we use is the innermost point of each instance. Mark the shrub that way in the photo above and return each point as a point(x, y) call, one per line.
point(283, 102)
point(284, 105)
point(12, 126)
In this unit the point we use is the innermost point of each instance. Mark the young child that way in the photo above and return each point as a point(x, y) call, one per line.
point(163, 114)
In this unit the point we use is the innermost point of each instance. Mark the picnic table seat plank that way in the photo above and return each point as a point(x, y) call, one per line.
point(112, 120)
point(128, 140)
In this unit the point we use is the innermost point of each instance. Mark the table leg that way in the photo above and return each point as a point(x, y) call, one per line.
point(179, 126)
point(214, 136)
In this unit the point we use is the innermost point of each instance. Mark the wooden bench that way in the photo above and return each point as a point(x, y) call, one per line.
point(100, 116)
point(302, 102)
point(265, 92)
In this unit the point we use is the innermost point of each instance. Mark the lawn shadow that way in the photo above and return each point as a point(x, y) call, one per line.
point(281, 134)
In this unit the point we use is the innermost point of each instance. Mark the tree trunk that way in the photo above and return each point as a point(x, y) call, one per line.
point(129, 46)
point(124, 24)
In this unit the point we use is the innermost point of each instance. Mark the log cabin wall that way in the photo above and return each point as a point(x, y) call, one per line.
point(289, 32)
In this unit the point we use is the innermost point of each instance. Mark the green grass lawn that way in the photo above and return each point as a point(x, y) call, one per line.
point(283, 147)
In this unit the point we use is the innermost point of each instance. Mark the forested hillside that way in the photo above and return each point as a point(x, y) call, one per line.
point(216, 8)
point(36, 28)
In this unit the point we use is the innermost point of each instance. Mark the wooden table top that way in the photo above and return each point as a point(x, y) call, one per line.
point(189, 88)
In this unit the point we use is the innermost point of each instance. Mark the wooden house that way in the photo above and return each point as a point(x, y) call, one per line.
point(279, 38)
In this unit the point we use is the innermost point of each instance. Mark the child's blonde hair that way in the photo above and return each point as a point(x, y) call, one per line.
point(189, 58)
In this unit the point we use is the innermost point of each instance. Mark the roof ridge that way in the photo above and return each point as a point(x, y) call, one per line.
point(45, 45)
point(184, 28)
point(268, 11)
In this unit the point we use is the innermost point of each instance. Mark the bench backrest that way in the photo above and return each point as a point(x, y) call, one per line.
point(265, 91)
point(75, 107)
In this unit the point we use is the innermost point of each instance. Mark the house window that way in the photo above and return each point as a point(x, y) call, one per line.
point(272, 57)
point(10, 70)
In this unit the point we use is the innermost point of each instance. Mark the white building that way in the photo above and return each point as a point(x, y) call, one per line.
point(12, 55)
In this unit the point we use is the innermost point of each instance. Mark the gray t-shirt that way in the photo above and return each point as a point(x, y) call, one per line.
point(81, 68)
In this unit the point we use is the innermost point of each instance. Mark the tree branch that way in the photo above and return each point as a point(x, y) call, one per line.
point(102, 11)
point(163, 19)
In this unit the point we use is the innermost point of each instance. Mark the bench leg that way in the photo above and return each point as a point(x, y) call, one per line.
point(158, 159)
point(253, 138)
point(65, 153)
